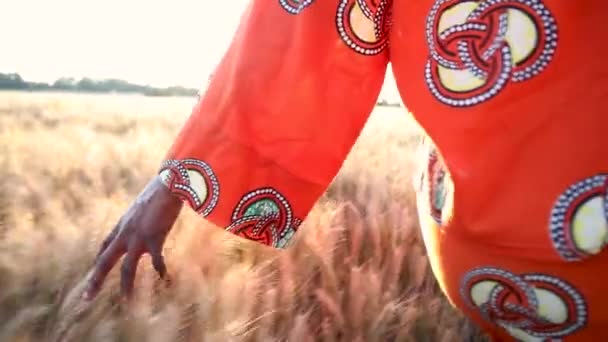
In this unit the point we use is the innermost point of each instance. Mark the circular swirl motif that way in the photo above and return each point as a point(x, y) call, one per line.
point(531, 307)
point(264, 216)
point(193, 181)
point(295, 6)
point(364, 24)
point(578, 223)
point(478, 47)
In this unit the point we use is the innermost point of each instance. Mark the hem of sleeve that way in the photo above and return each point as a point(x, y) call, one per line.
point(243, 192)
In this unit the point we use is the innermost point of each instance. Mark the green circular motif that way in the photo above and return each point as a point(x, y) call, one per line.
point(440, 193)
point(263, 207)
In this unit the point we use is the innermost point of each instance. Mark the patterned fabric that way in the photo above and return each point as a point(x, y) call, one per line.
point(513, 198)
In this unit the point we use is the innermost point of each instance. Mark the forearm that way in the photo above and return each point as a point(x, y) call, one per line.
point(238, 189)
point(273, 128)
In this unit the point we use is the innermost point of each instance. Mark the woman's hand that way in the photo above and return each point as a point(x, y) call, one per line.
point(142, 229)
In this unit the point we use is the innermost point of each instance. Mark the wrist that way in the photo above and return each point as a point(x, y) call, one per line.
point(162, 188)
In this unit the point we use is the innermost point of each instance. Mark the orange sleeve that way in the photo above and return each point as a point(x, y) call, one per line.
point(279, 116)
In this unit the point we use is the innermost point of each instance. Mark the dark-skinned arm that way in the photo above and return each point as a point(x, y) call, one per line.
point(279, 117)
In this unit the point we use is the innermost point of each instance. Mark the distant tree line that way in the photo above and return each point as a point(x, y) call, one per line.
point(13, 81)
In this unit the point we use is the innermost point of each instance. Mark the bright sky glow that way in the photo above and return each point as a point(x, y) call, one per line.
point(154, 42)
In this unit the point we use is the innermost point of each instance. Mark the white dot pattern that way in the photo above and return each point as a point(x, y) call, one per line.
point(180, 180)
point(499, 47)
point(294, 6)
point(380, 17)
point(559, 220)
point(282, 229)
point(523, 314)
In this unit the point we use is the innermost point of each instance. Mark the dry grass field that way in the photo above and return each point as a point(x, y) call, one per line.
point(70, 165)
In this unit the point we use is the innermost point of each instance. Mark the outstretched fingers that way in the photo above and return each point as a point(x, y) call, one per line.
point(129, 269)
point(108, 240)
point(105, 262)
point(155, 250)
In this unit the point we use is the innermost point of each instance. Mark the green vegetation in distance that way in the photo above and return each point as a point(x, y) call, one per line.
point(14, 81)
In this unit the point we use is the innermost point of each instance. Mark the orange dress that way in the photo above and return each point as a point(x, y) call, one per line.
point(513, 203)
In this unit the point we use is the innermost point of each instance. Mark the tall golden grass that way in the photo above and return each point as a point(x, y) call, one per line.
point(70, 165)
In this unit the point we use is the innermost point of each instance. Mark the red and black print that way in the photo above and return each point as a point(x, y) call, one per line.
point(478, 47)
point(193, 181)
point(364, 25)
point(295, 6)
point(529, 306)
point(578, 224)
point(436, 178)
point(264, 216)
